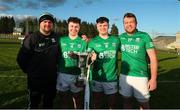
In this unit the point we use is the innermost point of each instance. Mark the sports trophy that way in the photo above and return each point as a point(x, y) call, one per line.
point(82, 64)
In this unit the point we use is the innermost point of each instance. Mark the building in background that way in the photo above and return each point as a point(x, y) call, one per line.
point(17, 31)
point(178, 40)
point(169, 43)
point(177, 49)
point(164, 42)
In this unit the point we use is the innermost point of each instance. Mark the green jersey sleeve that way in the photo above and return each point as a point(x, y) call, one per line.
point(149, 43)
point(90, 46)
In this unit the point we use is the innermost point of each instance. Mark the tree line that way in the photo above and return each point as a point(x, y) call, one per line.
point(30, 25)
point(7, 24)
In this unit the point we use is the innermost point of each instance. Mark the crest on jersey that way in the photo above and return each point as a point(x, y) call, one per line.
point(106, 45)
point(41, 44)
point(79, 45)
point(98, 45)
point(113, 44)
point(71, 45)
point(138, 39)
point(53, 40)
point(129, 39)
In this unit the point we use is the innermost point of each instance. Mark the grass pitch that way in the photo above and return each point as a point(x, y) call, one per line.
point(13, 92)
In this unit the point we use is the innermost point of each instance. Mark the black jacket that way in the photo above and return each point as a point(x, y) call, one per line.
point(38, 57)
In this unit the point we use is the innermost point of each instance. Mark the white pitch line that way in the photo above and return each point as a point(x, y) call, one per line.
point(13, 76)
point(165, 81)
point(168, 81)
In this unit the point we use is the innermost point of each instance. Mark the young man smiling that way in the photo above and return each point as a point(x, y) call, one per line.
point(104, 71)
point(68, 71)
point(135, 46)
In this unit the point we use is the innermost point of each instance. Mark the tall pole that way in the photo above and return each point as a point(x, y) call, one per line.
point(27, 27)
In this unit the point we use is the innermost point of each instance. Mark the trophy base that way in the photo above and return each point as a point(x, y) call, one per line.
point(80, 82)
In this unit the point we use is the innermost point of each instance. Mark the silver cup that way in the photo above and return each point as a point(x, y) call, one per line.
point(82, 64)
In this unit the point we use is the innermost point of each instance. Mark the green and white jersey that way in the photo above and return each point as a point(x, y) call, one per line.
point(133, 50)
point(66, 63)
point(105, 66)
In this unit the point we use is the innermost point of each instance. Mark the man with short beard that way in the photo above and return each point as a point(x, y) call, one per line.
point(38, 58)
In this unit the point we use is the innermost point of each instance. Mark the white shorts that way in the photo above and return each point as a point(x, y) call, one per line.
point(67, 82)
point(137, 86)
point(107, 87)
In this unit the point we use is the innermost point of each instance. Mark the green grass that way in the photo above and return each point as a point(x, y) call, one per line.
point(13, 92)
point(169, 66)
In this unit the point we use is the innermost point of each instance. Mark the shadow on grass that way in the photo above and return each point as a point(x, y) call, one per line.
point(169, 58)
point(168, 89)
point(165, 97)
point(13, 100)
point(59, 102)
point(172, 75)
point(8, 68)
point(13, 42)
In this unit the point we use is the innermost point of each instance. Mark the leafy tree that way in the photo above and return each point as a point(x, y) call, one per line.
point(6, 24)
point(29, 25)
point(84, 28)
point(61, 27)
point(88, 29)
point(11, 24)
point(114, 30)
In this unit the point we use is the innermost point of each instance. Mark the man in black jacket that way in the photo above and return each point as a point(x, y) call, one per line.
point(38, 58)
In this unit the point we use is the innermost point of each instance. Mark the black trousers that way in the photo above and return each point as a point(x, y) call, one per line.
point(36, 97)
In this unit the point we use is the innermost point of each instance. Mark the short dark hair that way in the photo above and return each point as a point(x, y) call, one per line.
point(102, 20)
point(74, 20)
point(128, 15)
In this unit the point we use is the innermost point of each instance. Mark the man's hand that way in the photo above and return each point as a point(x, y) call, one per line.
point(73, 55)
point(85, 38)
point(152, 84)
point(93, 56)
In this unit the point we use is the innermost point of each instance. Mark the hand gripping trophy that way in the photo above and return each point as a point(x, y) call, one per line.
point(83, 59)
point(84, 63)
